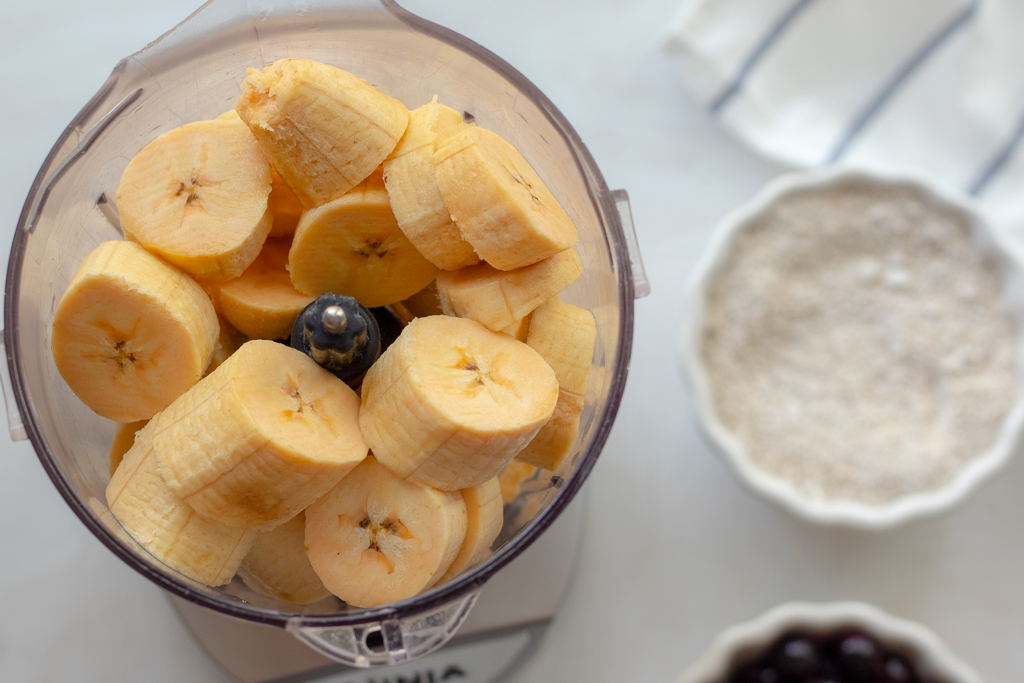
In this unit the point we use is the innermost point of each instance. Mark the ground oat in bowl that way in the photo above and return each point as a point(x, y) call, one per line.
point(856, 342)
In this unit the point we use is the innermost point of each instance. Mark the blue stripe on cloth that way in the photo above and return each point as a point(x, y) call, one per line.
point(998, 162)
point(769, 38)
point(883, 95)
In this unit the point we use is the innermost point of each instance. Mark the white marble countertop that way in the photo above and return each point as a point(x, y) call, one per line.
point(674, 548)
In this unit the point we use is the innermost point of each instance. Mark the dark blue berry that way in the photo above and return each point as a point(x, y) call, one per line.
point(796, 658)
point(755, 672)
point(897, 670)
point(859, 658)
point(340, 334)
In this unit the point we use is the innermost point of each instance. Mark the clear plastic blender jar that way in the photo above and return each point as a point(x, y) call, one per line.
point(193, 73)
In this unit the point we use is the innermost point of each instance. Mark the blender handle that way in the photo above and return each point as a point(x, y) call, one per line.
point(387, 642)
point(14, 422)
point(641, 285)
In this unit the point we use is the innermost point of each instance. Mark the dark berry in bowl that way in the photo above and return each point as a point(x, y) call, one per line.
point(859, 658)
point(755, 673)
point(796, 658)
point(897, 670)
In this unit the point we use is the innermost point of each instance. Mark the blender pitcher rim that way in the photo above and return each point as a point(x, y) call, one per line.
point(615, 242)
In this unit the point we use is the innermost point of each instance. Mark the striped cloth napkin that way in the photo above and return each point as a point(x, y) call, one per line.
point(932, 84)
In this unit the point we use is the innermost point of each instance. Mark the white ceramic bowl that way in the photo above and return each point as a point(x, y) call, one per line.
point(925, 652)
point(1011, 270)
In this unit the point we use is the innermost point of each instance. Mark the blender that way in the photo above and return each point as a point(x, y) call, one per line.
point(192, 73)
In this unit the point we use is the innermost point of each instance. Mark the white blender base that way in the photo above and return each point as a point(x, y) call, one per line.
point(507, 622)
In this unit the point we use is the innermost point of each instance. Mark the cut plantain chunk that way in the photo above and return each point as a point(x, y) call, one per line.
point(131, 333)
point(228, 341)
point(375, 538)
point(262, 303)
point(197, 197)
point(261, 437)
point(323, 129)
point(124, 439)
point(502, 207)
point(285, 206)
point(277, 565)
point(420, 305)
point(484, 519)
point(353, 246)
point(283, 203)
point(564, 336)
point(512, 478)
point(166, 526)
point(450, 403)
point(500, 299)
point(415, 199)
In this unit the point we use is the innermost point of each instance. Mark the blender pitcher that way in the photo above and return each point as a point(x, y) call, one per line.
point(193, 73)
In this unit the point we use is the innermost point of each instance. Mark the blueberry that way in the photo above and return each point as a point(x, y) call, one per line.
point(340, 334)
point(897, 670)
point(859, 657)
point(755, 672)
point(796, 658)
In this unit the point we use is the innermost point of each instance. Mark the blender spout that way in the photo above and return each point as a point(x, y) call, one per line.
point(391, 641)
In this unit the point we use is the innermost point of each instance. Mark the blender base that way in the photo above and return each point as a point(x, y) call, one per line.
point(506, 624)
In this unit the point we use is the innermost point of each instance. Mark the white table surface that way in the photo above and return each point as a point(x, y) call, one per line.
point(675, 549)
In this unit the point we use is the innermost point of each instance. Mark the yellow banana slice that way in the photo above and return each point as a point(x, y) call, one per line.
point(498, 299)
point(323, 129)
point(415, 199)
point(124, 438)
point(564, 336)
point(375, 538)
point(285, 206)
point(228, 341)
point(450, 403)
point(260, 438)
point(166, 526)
point(197, 197)
point(502, 207)
point(484, 517)
point(420, 305)
point(353, 246)
point(512, 478)
point(261, 302)
point(520, 328)
point(283, 203)
point(277, 565)
point(131, 333)
point(212, 289)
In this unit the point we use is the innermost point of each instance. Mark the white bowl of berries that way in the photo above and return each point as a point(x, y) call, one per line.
point(835, 642)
